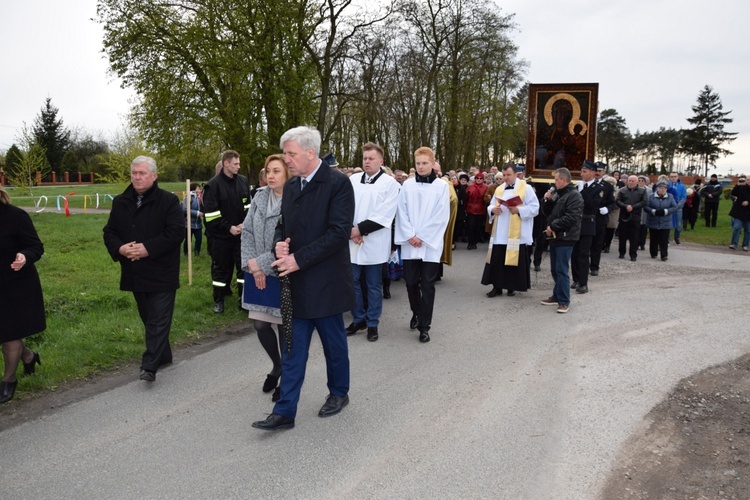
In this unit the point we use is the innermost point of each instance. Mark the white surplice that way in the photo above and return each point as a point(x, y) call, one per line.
point(527, 212)
point(376, 202)
point(423, 211)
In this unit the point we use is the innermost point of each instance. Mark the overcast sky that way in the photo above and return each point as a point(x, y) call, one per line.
point(650, 58)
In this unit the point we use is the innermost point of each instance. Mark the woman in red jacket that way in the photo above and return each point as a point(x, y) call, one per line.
point(476, 210)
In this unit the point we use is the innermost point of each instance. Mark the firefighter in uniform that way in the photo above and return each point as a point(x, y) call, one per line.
point(226, 199)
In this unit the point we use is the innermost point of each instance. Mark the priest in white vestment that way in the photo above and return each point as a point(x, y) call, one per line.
point(512, 210)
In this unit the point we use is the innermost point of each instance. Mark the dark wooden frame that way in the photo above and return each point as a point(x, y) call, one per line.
point(585, 97)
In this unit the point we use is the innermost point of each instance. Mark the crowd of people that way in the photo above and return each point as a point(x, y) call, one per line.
point(314, 240)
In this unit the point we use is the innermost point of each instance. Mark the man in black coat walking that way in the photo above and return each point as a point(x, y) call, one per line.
point(144, 233)
point(317, 211)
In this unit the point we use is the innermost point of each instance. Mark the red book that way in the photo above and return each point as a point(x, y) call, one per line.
point(511, 202)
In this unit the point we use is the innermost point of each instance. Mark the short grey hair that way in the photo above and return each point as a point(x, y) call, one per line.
point(564, 174)
point(306, 137)
point(144, 159)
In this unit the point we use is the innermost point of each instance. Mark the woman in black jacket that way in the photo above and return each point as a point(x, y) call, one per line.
point(21, 301)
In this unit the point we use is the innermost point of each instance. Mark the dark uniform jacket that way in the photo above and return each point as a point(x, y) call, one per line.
point(225, 204)
point(21, 301)
point(608, 202)
point(318, 222)
point(158, 224)
point(563, 213)
point(593, 198)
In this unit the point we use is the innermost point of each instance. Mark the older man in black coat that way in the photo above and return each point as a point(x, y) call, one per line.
point(317, 211)
point(144, 233)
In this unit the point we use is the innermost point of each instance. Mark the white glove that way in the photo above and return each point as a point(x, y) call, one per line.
point(603, 210)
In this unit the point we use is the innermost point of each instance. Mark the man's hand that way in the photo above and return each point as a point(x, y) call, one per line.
point(235, 230)
point(629, 208)
point(282, 248)
point(20, 261)
point(356, 236)
point(548, 231)
point(497, 209)
point(513, 210)
point(286, 265)
point(415, 242)
point(133, 251)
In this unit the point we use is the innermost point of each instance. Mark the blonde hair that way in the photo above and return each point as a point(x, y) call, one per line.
point(4, 196)
point(277, 157)
point(425, 151)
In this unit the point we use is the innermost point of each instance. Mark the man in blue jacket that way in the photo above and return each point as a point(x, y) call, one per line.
point(317, 210)
point(676, 184)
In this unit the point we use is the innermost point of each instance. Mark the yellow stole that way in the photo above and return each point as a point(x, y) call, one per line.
point(514, 231)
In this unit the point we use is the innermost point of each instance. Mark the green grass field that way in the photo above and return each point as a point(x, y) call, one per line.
point(720, 235)
point(92, 326)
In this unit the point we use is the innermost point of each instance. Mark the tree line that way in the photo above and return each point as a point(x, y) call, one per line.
point(691, 151)
point(216, 74)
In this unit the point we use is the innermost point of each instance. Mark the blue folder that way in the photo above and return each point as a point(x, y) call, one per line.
point(269, 297)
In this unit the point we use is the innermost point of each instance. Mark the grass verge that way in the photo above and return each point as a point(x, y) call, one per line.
point(92, 326)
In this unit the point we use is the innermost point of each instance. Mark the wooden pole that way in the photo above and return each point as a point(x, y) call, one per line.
point(188, 203)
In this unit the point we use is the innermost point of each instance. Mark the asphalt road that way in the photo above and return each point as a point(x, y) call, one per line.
point(509, 400)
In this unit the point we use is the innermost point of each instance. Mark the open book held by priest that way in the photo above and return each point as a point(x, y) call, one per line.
point(511, 202)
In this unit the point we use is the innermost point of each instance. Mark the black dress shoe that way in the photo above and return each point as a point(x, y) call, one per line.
point(632, 259)
point(573, 285)
point(372, 333)
point(148, 376)
point(606, 250)
point(270, 383)
point(7, 390)
point(276, 395)
point(594, 272)
point(622, 256)
point(333, 405)
point(494, 293)
point(218, 307)
point(582, 289)
point(386, 292)
point(424, 336)
point(537, 268)
point(663, 258)
point(274, 422)
point(29, 368)
point(354, 328)
point(414, 322)
point(511, 293)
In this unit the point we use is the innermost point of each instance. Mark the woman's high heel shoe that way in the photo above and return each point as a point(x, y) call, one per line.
point(29, 368)
point(7, 389)
point(270, 383)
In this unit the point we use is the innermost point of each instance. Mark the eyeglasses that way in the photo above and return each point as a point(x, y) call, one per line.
point(743, 180)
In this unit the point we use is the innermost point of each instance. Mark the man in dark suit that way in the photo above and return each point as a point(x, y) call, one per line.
point(144, 233)
point(312, 248)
